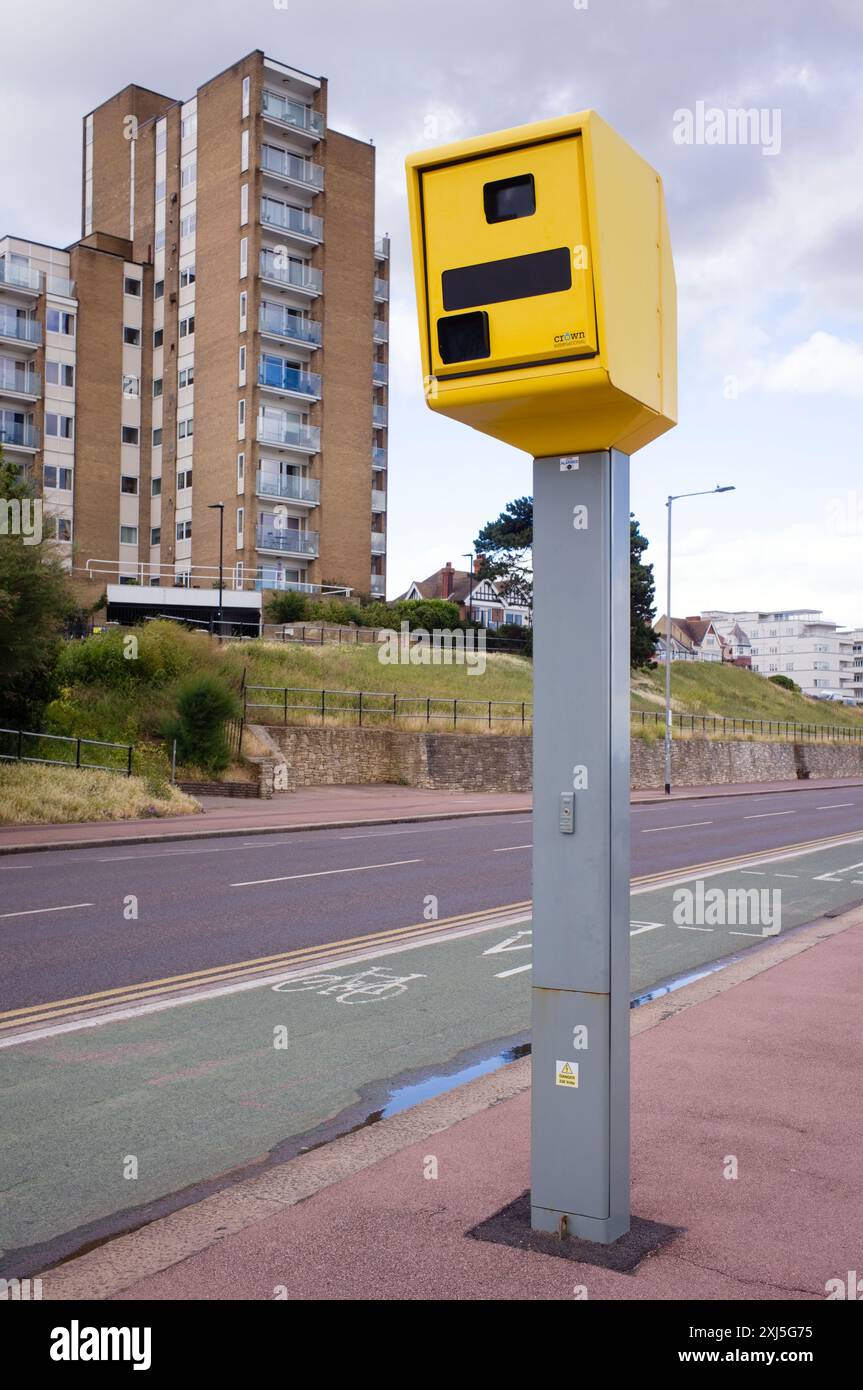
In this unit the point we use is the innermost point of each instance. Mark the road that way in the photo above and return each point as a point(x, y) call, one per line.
point(77, 922)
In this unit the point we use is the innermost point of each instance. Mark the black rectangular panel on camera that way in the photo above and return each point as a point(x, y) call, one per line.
point(463, 338)
point(517, 277)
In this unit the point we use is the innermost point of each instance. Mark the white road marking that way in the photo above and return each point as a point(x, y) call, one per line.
point(33, 911)
point(325, 873)
point(786, 875)
point(654, 830)
point(17, 866)
point(681, 926)
point(845, 870)
point(506, 848)
point(517, 970)
point(836, 806)
point(765, 815)
point(644, 926)
point(756, 873)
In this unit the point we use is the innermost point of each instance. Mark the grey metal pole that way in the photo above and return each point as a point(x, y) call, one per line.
point(668, 659)
point(580, 997)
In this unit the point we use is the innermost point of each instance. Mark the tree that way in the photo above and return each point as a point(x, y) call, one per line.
point(35, 601)
point(504, 547)
point(204, 703)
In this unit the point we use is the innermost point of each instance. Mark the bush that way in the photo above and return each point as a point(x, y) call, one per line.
point(204, 703)
point(427, 613)
point(151, 656)
point(288, 607)
point(786, 682)
point(339, 612)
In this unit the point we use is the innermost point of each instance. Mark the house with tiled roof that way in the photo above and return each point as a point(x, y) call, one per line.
point(482, 601)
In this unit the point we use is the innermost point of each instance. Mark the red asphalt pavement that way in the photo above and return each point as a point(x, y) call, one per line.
point(338, 806)
point(766, 1071)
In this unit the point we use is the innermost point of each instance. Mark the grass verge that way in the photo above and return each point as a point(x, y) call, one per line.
point(33, 795)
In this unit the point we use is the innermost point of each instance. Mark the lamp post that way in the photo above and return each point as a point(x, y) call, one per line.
point(220, 508)
point(709, 492)
point(468, 555)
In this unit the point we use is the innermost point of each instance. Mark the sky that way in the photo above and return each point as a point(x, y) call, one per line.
point(767, 236)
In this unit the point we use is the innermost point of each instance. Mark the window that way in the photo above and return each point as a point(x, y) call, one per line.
point(55, 477)
point(132, 336)
point(244, 204)
point(244, 299)
point(184, 479)
point(188, 175)
point(158, 289)
point(161, 190)
point(187, 326)
point(241, 472)
point(244, 257)
point(57, 321)
point(241, 419)
point(155, 487)
point(59, 374)
point(157, 436)
point(242, 380)
point(59, 426)
point(128, 535)
point(64, 528)
point(187, 224)
point(158, 337)
point(132, 286)
point(244, 150)
point(189, 126)
point(159, 240)
point(130, 434)
point(161, 137)
point(129, 485)
point(157, 387)
point(187, 276)
point(184, 530)
point(185, 428)
point(155, 535)
point(131, 386)
point(185, 377)
point(240, 523)
point(247, 83)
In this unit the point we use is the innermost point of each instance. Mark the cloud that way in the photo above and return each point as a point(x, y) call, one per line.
point(824, 364)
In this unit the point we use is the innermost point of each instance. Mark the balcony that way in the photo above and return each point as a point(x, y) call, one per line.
point(14, 382)
point(382, 290)
point(274, 322)
point(14, 436)
point(20, 277)
point(293, 114)
point(292, 169)
point(379, 500)
point(288, 489)
point(58, 284)
point(379, 457)
point(380, 332)
point(382, 248)
point(20, 330)
point(295, 221)
point(378, 586)
point(274, 375)
point(380, 373)
point(289, 435)
point(379, 543)
point(290, 274)
point(282, 541)
point(379, 416)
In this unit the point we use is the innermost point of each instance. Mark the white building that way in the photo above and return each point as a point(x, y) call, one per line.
point(800, 643)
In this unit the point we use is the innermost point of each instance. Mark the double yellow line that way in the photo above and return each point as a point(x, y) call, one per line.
point(37, 1014)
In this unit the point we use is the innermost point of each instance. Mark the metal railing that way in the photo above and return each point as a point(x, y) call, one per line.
point(299, 277)
point(788, 730)
point(286, 541)
point(276, 321)
point(293, 113)
point(12, 750)
point(454, 710)
point(25, 330)
point(382, 289)
point(290, 434)
point(278, 376)
point(276, 214)
point(21, 383)
point(290, 166)
point(294, 489)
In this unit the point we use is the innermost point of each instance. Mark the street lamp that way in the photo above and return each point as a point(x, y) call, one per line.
point(220, 508)
point(709, 492)
point(468, 555)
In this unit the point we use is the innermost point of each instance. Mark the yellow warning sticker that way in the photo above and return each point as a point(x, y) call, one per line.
point(566, 1073)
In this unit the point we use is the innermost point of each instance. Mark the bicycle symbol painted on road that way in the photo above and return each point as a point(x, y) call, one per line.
point(378, 982)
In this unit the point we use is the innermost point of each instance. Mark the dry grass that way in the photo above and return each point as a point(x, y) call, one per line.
point(31, 795)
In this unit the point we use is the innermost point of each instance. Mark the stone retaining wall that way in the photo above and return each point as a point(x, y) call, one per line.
point(335, 756)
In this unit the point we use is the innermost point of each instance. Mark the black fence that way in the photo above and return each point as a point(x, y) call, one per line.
point(58, 750)
point(368, 707)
